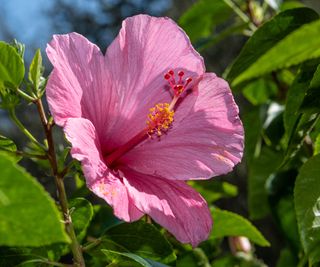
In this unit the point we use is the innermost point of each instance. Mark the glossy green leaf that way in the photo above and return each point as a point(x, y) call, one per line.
point(11, 67)
point(227, 223)
point(290, 51)
point(200, 19)
point(140, 238)
point(259, 170)
point(36, 70)
point(81, 215)
point(117, 257)
point(28, 216)
point(306, 198)
point(266, 39)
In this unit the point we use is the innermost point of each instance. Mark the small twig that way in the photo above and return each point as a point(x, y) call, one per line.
point(24, 95)
point(25, 154)
point(23, 129)
point(241, 14)
point(75, 246)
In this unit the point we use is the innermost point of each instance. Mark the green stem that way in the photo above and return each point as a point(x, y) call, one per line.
point(25, 154)
point(75, 246)
point(25, 96)
point(23, 129)
point(241, 14)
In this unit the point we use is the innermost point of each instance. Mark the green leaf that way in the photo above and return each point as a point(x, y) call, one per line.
point(200, 19)
point(193, 258)
point(290, 51)
point(140, 238)
point(81, 215)
point(212, 190)
point(118, 256)
point(260, 91)
point(36, 70)
point(11, 67)
point(266, 39)
point(306, 198)
point(227, 223)
point(317, 146)
point(28, 216)
point(311, 101)
point(253, 119)
point(286, 259)
point(259, 170)
point(296, 94)
point(7, 144)
point(290, 5)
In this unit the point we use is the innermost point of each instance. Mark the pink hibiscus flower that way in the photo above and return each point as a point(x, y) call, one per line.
point(142, 119)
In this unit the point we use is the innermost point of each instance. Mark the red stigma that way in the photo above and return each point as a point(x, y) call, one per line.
point(177, 86)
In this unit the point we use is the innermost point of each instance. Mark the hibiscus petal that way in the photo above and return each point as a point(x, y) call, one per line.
point(172, 204)
point(145, 49)
point(207, 142)
point(86, 148)
point(78, 85)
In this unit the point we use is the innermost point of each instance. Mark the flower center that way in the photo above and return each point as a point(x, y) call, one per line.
point(159, 120)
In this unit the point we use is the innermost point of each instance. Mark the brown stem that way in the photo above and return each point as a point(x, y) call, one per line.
point(75, 246)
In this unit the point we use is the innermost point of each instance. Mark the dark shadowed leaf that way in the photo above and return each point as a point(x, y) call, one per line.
point(199, 20)
point(123, 259)
point(259, 170)
point(140, 238)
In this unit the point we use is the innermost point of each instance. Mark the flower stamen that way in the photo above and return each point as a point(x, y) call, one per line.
point(160, 119)
point(180, 86)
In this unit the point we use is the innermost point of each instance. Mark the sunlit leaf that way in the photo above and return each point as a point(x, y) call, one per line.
point(35, 70)
point(267, 43)
point(230, 224)
point(291, 50)
point(28, 216)
point(11, 67)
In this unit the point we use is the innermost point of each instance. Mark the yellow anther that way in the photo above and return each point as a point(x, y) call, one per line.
point(160, 119)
